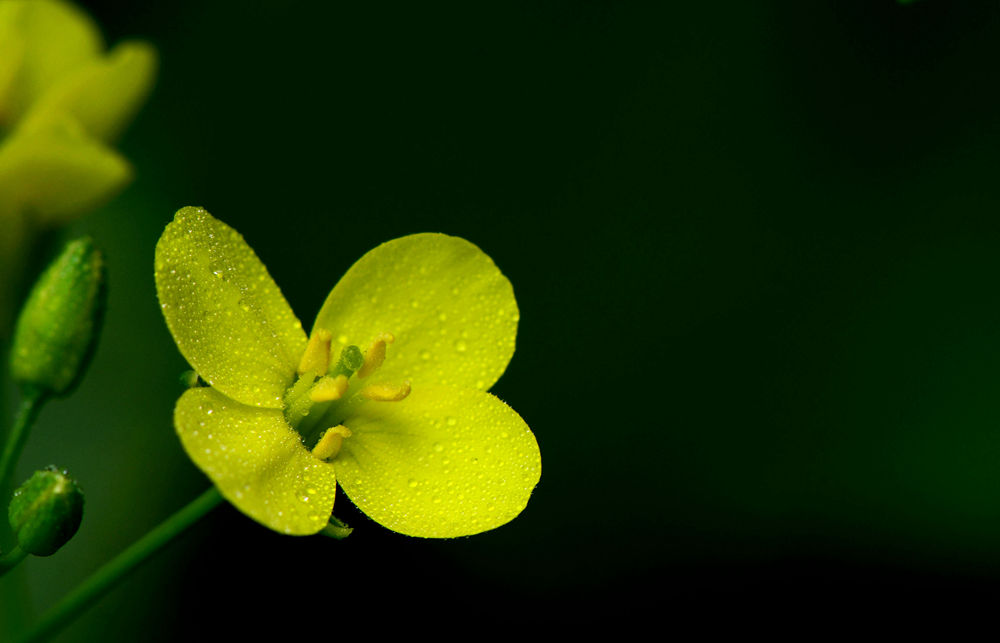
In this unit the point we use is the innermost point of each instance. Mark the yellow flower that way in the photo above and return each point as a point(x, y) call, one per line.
point(405, 426)
point(62, 99)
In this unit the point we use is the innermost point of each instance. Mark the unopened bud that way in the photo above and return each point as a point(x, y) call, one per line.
point(59, 323)
point(45, 511)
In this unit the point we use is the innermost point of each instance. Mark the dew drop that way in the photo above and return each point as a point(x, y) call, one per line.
point(425, 355)
point(460, 346)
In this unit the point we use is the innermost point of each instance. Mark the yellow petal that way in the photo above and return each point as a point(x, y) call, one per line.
point(104, 93)
point(257, 461)
point(226, 314)
point(12, 48)
point(442, 463)
point(54, 38)
point(55, 171)
point(451, 310)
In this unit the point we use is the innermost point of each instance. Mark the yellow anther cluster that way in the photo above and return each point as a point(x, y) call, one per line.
point(329, 445)
point(322, 382)
point(375, 354)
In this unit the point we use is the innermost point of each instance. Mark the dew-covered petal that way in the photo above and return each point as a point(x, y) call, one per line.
point(42, 42)
point(226, 314)
point(451, 310)
point(56, 171)
point(442, 463)
point(257, 461)
point(104, 93)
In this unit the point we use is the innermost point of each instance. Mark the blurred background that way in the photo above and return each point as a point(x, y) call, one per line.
point(755, 248)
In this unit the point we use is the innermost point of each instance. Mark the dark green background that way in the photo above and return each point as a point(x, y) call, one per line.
point(755, 248)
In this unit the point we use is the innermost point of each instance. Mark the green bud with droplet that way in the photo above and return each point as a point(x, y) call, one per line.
point(46, 511)
point(58, 326)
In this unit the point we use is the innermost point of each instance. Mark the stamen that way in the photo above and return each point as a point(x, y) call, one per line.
point(297, 402)
point(386, 392)
point(329, 445)
point(328, 389)
point(316, 358)
point(375, 354)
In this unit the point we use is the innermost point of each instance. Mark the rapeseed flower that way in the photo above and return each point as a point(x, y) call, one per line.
point(63, 100)
point(405, 426)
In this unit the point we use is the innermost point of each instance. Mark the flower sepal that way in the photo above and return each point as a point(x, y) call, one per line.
point(337, 529)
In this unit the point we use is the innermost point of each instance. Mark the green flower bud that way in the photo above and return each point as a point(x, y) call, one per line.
point(58, 327)
point(45, 511)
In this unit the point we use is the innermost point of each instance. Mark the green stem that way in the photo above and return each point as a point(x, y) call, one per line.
point(113, 572)
point(11, 559)
point(32, 400)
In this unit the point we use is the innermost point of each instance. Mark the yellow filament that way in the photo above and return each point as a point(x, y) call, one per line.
point(375, 354)
point(386, 392)
point(329, 445)
point(328, 389)
point(317, 355)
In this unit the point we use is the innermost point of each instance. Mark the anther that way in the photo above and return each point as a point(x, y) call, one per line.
point(317, 355)
point(375, 354)
point(386, 392)
point(329, 445)
point(328, 389)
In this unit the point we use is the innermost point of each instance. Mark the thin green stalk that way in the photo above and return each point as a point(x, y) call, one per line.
point(11, 559)
point(113, 572)
point(32, 400)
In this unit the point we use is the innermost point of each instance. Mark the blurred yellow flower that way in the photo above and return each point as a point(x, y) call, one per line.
point(62, 99)
point(406, 427)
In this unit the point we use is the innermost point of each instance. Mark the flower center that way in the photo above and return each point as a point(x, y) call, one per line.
point(324, 393)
